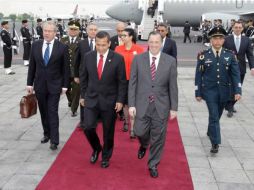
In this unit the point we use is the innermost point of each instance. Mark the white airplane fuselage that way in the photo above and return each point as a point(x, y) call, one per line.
point(176, 12)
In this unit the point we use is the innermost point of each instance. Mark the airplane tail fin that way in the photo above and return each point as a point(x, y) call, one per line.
point(75, 12)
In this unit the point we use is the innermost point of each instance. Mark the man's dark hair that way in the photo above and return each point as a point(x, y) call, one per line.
point(103, 34)
point(154, 33)
point(238, 22)
point(132, 33)
point(162, 25)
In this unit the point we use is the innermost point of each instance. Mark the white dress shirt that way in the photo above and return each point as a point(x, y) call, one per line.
point(157, 59)
point(45, 46)
point(89, 41)
point(104, 59)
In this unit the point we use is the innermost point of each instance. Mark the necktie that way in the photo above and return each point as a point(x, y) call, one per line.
point(99, 68)
point(46, 55)
point(217, 55)
point(91, 45)
point(72, 40)
point(153, 68)
point(237, 43)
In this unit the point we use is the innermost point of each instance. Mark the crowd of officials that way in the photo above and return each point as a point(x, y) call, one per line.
point(106, 77)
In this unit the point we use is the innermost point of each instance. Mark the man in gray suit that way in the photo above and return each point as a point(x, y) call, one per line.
point(153, 95)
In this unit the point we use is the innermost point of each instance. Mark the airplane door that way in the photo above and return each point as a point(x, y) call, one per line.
point(239, 4)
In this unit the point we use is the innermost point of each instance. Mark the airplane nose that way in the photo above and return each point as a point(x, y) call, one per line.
point(126, 11)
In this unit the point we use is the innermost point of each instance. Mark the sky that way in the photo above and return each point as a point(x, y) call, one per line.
point(42, 8)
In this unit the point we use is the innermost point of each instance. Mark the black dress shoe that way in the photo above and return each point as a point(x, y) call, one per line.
point(95, 156)
point(215, 148)
point(44, 140)
point(74, 114)
point(53, 146)
point(230, 114)
point(153, 172)
point(105, 163)
point(141, 152)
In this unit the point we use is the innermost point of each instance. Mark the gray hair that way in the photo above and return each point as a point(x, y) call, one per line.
point(50, 23)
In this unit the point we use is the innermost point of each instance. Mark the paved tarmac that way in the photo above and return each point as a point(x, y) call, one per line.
point(24, 160)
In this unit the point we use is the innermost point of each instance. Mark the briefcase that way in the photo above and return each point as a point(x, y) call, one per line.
point(28, 106)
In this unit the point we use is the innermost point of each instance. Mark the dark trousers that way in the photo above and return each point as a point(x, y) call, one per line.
point(108, 119)
point(231, 103)
point(27, 48)
point(73, 95)
point(215, 110)
point(151, 130)
point(48, 106)
point(186, 35)
point(7, 56)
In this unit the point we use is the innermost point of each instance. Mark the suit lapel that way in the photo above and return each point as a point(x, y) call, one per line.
point(160, 67)
point(107, 63)
point(147, 65)
point(233, 43)
point(40, 52)
point(241, 44)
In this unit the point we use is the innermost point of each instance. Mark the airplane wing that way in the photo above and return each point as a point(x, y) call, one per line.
point(249, 14)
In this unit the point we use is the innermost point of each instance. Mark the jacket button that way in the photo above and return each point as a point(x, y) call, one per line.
point(218, 82)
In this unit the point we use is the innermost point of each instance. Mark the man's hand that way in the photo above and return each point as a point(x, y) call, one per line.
point(82, 102)
point(132, 112)
point(64, 90)
point(29, 89)
point(199, 98)
point(252, 72)
point(237, 97)
point(76, 80)
point(173, 114)
point(119, 107)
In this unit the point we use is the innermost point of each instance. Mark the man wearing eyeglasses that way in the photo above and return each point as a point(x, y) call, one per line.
point(116, 40)
point(72, 40)
point(168, 45)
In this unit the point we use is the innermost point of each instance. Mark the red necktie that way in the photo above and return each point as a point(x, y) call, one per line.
point(99, 68)
point(153, 68)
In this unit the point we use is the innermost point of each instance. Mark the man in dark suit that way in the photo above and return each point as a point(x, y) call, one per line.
point(116, 40)
point(27, 38)
point(152, 97)
point(103, 90)
point(48, 75)
point(84, 46)
point(168, 45)
point(241, 46)
point(186, 31)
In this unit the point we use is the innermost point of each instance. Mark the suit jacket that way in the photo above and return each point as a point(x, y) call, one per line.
point(170, 48)
point(82, 48)
point(163, 88)
point(111, 88)
point(114, 42)
point(245, 50)
point(53, 77)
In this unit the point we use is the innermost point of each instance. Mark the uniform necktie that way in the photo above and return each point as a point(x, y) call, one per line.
point(72, 40)
point(100, 65)
point(91, 45)
point(237, 43)
point(153, 68)
point(46, 55)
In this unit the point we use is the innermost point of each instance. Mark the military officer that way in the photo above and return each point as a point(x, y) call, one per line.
point(39, 28)
point(7, 47)
point(217, 79)
point(26, 36)
point(60, 30)
point(72, 40)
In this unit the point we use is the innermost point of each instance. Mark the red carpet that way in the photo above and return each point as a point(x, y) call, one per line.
point(72, 169)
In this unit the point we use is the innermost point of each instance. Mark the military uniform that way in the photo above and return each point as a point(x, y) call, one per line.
point(60, 30)
point(217, 80)
point(39, 29)
point(26, 36)
point(7, 49)
point(73, 93)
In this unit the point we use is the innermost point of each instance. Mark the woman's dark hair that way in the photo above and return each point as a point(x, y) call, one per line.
point(132, 33)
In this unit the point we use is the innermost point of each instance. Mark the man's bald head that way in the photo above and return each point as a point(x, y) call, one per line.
point(120, 27)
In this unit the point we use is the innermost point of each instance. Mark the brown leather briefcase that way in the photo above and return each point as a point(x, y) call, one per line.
point(28, 106)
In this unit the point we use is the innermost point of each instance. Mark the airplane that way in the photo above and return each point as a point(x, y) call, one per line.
point(176, 12)
point(68, 16)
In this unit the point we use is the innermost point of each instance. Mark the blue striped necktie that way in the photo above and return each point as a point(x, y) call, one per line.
point(46, 55)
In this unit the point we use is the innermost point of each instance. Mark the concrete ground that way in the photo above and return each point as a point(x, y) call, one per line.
point(24, 160)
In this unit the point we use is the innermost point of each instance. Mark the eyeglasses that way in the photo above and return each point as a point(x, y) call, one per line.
point(124, 36)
